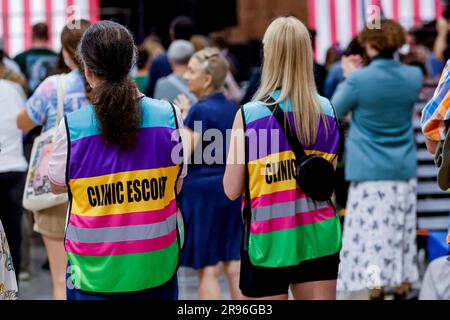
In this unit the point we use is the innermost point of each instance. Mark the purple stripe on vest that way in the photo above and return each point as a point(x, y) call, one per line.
point(99, 158)
point(260, 144)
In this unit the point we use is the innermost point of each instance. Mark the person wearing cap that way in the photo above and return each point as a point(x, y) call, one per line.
point(168, 88)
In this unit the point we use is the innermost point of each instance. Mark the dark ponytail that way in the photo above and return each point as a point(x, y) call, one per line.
point(109, 52)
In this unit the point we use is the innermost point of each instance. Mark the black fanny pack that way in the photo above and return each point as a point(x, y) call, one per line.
point(315, 176)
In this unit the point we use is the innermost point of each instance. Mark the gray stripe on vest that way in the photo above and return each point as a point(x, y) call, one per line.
point(287, 209)
point(119, 234)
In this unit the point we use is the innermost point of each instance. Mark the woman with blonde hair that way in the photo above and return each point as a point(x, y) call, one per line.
point(290, 241)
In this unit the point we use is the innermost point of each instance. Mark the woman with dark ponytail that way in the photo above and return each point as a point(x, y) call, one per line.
point(122, 238)
point(108, 76)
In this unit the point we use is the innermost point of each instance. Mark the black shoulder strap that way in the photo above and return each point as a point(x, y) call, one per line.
point(285, 125)
point(180, 140)
point(247, 212)
point(181, 233)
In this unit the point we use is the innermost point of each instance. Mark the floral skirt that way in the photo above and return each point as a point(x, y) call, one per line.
point(8, 284)
point(379, 239)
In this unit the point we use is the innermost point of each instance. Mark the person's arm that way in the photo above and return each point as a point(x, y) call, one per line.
point(234, 178)
point(37, 107)
point(58, 161)
point(431, 146)
point(56, 189)
point(440, 44)
point(24, 122)
point(436, 113)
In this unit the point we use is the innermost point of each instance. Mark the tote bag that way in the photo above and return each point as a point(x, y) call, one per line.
point(37, 194)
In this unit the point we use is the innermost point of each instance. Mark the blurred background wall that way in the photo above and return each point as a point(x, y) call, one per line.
point(242, 21)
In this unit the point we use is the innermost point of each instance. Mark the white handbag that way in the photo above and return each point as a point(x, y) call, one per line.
point(37, 194)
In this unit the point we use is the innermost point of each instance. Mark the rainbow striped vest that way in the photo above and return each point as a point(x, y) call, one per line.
point(284, 227)
point(122, 231)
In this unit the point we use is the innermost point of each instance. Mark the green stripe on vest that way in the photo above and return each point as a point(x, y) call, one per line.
point(286, 248)
point(130, 272)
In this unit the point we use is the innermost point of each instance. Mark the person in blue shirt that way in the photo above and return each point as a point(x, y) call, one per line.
point(379, 243)
point(213, 222)
point(181, 28)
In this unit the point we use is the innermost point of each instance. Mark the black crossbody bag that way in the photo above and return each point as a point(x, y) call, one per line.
point(314, 175)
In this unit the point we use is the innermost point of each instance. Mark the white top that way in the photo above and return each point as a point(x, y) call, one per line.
point(12, 101)
point(58, 161)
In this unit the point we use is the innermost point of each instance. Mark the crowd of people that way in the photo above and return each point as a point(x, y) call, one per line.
point(163, 168)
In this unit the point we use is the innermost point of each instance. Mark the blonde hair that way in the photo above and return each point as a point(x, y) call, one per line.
point(213, 63)
point(288, 65)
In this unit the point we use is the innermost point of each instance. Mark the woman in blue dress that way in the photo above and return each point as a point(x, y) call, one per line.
point(213, 223)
